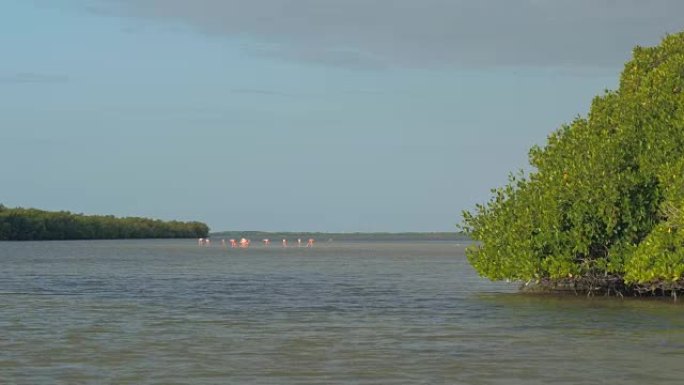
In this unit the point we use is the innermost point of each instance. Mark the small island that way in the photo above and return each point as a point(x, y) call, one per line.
point(603, 210)
point(24, 224)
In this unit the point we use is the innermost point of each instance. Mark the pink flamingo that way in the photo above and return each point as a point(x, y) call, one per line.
point(244, 243)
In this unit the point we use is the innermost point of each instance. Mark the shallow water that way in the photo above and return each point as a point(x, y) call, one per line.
point(170, 312)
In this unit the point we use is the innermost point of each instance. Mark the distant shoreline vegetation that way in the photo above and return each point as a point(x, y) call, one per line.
point(28, 224)
point(342, 237)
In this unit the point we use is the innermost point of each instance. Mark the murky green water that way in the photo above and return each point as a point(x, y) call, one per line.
point(170, 312)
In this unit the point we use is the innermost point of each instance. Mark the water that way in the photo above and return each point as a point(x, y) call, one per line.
point(170, 312)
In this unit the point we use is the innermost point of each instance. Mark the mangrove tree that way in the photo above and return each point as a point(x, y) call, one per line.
point(603, 207)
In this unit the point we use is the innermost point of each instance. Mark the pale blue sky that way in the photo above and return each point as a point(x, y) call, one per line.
point(296, 115)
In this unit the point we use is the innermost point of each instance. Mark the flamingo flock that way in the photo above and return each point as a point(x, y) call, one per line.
point(244, 243)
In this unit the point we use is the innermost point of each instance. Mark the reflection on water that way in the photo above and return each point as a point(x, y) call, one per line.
point(169, 312)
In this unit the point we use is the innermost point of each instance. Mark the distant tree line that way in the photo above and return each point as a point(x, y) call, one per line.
point(320, 236)
point(32, 224)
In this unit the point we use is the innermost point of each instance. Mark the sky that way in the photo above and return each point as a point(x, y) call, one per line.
point(297, 115)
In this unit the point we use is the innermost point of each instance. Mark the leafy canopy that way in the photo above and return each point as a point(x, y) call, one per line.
point(606, 197)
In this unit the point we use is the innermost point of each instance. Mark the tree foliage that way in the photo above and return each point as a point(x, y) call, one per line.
point(604, 205)
point(33, 224)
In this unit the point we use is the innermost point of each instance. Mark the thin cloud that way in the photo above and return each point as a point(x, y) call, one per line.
point(426, 33)
point(32, 77)
point(254, 91)
point(17, 141)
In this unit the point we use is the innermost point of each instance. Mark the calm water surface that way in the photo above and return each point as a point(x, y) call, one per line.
point(170, 312)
